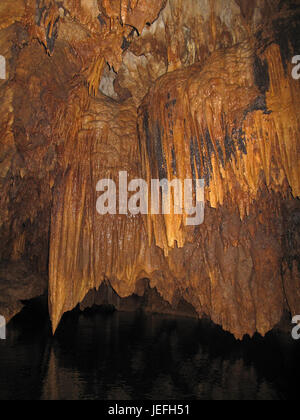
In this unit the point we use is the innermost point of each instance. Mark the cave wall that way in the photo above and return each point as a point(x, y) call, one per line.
point(187, 89)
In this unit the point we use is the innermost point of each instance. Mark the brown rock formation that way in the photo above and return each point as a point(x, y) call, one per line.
point(188, 89)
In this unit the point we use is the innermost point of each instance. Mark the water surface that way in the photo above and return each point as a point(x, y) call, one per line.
point(126, 356)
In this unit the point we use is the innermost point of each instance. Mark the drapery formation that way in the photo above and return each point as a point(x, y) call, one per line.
point(198, 90)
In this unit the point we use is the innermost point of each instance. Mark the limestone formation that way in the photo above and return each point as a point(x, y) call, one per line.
point(188, 89)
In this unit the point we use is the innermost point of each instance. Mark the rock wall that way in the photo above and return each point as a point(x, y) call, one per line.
point(185, 89)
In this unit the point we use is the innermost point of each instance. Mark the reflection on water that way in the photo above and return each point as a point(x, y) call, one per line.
point(135, 356)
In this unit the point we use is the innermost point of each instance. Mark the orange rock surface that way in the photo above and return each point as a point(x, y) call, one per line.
point(186, 89)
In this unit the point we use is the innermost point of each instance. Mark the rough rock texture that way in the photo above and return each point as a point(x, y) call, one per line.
point(151, 301)
point(184, 88)
point(17, 284)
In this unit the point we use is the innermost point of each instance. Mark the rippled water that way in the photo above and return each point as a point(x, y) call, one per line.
point(134, 356)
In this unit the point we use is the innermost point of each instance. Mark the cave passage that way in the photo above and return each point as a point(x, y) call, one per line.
point(202, 94)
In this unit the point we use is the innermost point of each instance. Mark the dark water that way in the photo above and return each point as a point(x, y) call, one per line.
point(135, 356)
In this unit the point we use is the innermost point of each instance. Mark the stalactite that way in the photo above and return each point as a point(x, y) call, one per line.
point(231, 134)
point(86, 247)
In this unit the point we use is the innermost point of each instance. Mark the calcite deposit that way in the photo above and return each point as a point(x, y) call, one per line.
point(187, 89)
